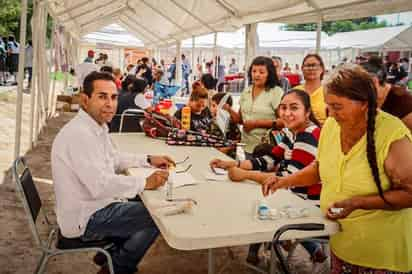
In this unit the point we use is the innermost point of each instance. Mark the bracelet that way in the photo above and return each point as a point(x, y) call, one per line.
point(237, 163)
point(148, 159)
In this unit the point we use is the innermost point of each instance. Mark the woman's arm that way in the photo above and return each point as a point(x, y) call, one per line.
point(304, 177)
point(397, 168)
point(236, 117)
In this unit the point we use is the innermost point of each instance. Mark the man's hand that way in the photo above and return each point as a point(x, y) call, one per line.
point(237, 174)
point(343, 208)
point(161, 161)
point(270, 185)
point(157, 179)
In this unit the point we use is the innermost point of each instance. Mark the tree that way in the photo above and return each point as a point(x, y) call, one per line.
point(340, 26)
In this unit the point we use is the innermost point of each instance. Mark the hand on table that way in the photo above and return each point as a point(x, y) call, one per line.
point(161, 161)
point(156, 179)
point(271, 184)
point(217, 163)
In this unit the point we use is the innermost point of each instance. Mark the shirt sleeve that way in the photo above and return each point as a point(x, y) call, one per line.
point(93, 173)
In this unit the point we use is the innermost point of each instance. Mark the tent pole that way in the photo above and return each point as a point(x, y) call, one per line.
point(193, 54)
point(34, 88)
point(178, 63)
point(215, 64)
point(53, 79)
point(251, 44)
point(318, 34)
point(20, 77)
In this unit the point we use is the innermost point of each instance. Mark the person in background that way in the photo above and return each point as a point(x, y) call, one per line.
point(209, 83)
point(186, 70)
point(313, 70)
point(3, 57)
point(85, 68)
point(363, 162)
point(233, 67)
point(284, 81)
point(90, 56)
point(171, 71)
point(393, 99)
point(232, 132)
point(287, 68)
point(147, 74)
point(296, 150)
point(258, 103)
point(117, 73)
point(107, 69)
point(13, 54)
point(129, 69)
point(28, 66)
point(200, 116)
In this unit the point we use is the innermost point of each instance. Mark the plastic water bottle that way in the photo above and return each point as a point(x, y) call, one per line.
point(240, 153)
point(186, 118)
point(169, 185)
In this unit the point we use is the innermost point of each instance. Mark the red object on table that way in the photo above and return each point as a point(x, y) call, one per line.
point(294, 78)
point(231, 77)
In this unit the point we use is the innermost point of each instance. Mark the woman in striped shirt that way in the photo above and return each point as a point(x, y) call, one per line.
point(297, 150)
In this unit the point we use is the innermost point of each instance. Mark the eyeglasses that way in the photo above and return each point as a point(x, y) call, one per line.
point(311, 66)
point(182, 161)
point(184, 170)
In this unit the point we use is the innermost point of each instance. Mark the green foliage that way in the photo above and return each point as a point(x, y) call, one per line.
point(340, 26)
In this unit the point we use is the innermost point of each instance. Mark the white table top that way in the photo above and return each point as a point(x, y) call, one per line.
point(225, 214)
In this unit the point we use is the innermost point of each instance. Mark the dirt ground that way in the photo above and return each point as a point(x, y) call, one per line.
point(19, 255)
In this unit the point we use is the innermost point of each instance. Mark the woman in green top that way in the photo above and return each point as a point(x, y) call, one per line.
point(363, 162)
point(258, 103)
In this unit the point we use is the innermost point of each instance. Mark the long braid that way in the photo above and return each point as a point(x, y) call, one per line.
point(370, 146)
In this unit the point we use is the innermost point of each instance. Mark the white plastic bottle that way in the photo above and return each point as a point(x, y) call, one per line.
point(240, 153)
point(169, 185)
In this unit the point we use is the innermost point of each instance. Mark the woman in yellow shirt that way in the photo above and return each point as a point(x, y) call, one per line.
point(364, 158)
point(313, 70)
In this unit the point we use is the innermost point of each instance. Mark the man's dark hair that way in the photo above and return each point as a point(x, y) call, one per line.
point(145, 60)
point(108, 69)
point(94, 76)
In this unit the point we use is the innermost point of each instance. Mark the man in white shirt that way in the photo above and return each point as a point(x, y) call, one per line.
point(83, 69)
point(91, 196)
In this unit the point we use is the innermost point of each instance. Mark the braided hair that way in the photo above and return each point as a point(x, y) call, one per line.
point(354, 83)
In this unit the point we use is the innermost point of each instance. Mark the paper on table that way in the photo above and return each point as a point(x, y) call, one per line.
point(210, 176)
point(181, 179)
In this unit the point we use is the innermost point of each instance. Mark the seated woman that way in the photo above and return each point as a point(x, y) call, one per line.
point(133, 99)
point(231, 132)
point(200, 116)
point(364, 162)
point(296, 150)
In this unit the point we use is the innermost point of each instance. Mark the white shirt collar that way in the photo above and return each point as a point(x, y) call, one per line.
point(97, 129)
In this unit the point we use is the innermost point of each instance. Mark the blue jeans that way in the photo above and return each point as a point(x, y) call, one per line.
point(131, 227)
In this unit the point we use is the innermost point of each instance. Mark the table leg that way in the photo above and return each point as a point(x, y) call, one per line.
point(211, 262)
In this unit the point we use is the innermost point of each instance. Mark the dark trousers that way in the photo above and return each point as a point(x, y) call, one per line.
point(133, 228)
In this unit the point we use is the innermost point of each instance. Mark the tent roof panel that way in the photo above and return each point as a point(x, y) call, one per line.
point(169, 22)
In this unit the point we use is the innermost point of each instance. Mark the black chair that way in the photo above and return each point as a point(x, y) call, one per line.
point(131, 120)
point(276, 247)
point(55, 244)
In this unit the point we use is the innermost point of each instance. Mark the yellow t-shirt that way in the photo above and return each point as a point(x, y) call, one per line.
point(317, 103)
point(380, 239)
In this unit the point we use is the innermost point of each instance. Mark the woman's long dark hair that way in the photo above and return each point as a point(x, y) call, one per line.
point(305, 99)
point(353, 82)
point(272, 79)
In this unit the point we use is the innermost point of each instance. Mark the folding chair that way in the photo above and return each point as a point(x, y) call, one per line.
point(134, 120)
point(276, 246)
point(56, 244)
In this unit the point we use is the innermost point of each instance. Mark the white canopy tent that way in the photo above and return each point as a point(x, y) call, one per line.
point(395, 38)
point(160, 23)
